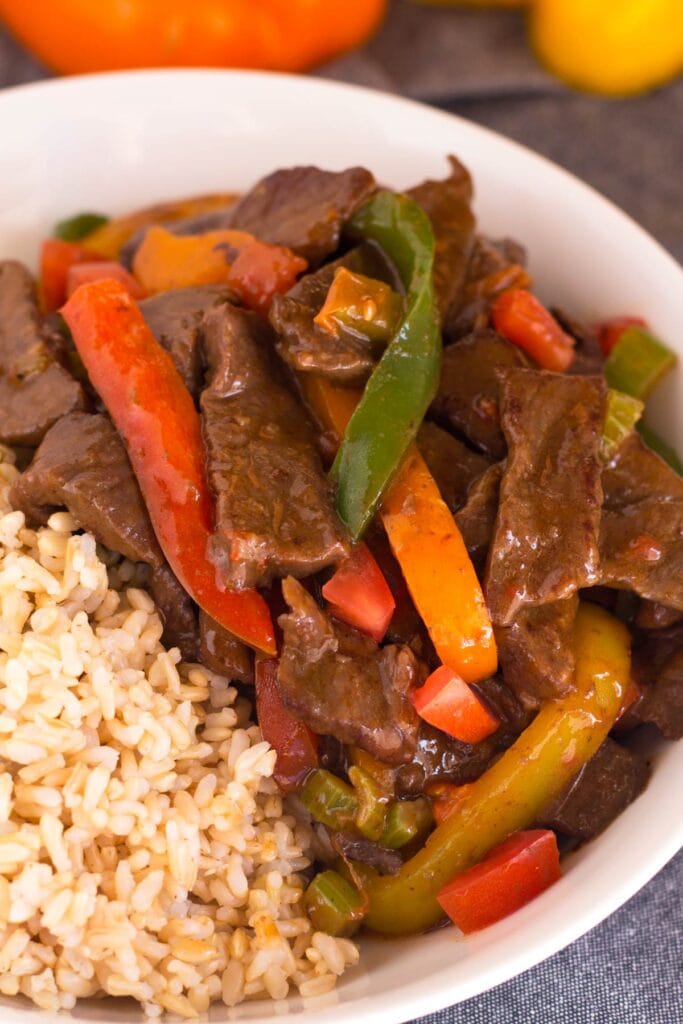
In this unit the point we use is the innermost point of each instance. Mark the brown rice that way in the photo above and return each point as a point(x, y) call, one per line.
point(144, 847)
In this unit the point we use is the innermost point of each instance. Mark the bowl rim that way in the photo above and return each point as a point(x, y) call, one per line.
point(431, 993)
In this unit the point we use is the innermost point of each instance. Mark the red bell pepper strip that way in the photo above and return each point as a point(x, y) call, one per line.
point(56, 259)
point(512, 875)
point(359, 594)
point(294, 743)
point(609, 333)
point(83, 273)
point(154, 413)
point(522, 319)
point(448, 703)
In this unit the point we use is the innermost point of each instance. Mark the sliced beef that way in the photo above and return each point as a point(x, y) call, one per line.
point(440, 758)
point(604, 787)
point(545, 541)
point(536, 651)
point(274, 511)
point(477, 518)
point(175, 318)
point(658, 670)
point(641, 534)
point(447, 203)
point(453, 465)
point(303, 208)
point(588, 357)
point(468, 396)
point(346, 356)
point(651, 615)
point(493, 267)
point(35, 390)
point(82, 465)
point(340, 682)
point(222, 652)
point(353, 847)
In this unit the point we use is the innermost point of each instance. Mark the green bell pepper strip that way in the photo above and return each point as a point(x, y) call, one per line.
point(622, 412)
point(638, 362)
point(74, 228)
point(510, 795)
point(333, 904)
point(404, 381)
point(660, 447)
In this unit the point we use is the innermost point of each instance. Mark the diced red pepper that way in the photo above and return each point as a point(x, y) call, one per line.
point(519, 316)
point(359, 594)
point(609, 333)
point(294, 743)
point(83, 273)
point(145, 395)
point(260, 271)
point(449, 704)
point(56, 259)
point(512, 875)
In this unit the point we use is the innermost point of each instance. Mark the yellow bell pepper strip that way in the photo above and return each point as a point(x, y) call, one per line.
point(638, 362)
point(73, 229)
point(333, 905)
point(360, 304)
point(145, 396)
point(253, 269)
point(622, 412)
point(509, 796)
point(429, 548)
point(404, 381)
point(109, 238)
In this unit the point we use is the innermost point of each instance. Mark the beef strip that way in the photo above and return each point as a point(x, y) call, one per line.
point(545, 541)
point(468, 396)
point(453, 465)
point(476, 519)
point(82, 465)
point(651, 615)
point(174, 318)
point(346, 356)
point(303, 208)
point(340, 682)
point(604, 787)
point(354, 847)
point(274, 511)
point(440, 758)
point(222, 652)
point(658, 671)
point(641, 533)
point(588, 358)
point(447, 203)
point(493, 266)
point(35, 390)
point(536, 651)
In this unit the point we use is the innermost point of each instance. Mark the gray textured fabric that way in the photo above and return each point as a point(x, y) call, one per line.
point(629, 970)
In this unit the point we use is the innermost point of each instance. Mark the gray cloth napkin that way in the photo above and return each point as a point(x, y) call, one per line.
point(629, 969)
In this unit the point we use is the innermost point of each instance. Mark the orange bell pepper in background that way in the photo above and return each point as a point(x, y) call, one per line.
point(56, 260)
point(76, 36)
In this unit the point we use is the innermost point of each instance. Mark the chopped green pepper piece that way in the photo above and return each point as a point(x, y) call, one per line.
point(361, 305)
point(660, 447)
point(406, 820)
point(638, 362)
point(73, 229)
point(621, 415)
point(404, 381)
point(330, 800)
point(371, 815)
point(512, 793)
point(333, 905)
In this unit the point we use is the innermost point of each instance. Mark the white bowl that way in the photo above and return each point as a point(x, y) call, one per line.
point(117, 141)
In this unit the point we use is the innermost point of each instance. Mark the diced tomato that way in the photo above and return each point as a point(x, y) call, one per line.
point(56, 259)
point(512, 875)
point(449, 704)
point(519, 316)
point(296, 746)
point(610, 332)
point(359, 594)
point(83, 273)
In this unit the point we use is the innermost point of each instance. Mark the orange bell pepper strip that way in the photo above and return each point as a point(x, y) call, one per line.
point(154, 413)
point(56, 260)
point(109, 239)
point(519, 316)
point(254, 270)
point(427, 545)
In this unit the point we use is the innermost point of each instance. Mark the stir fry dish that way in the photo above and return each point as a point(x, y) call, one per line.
point(338, 574)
